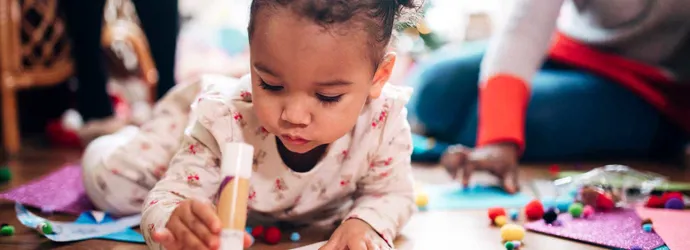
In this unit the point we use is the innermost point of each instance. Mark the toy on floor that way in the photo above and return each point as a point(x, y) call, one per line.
point(669, 200)
point(674, 203)
point(647, 228)
point(512, 232)
point(550, 216)
point(257, 231)
point(5, 174)
point(45, 227)
point(513, 245)
point(270, 235)
point(421, 199)
point(495, 212)
point(294, 237)
point(575, 210)
point(500, 220)
point(554, 170)
point(514, 214)
point(7, 230)
point(587, 211)
point(534, 210)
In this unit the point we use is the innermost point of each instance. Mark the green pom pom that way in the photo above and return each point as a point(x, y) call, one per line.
point(5, 174)
point(46, 228)
point(576, 210)
point(510, 245)
point(7, 230)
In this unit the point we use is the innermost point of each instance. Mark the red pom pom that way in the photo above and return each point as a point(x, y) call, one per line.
point(655, 202)
point(495, 212)
point(272, 235)
point(534, 210)
point(257, 231)
point(668, 195)
point(553, 170)
point(604, 202)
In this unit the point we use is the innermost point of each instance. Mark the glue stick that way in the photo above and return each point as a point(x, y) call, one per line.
point(236, 169)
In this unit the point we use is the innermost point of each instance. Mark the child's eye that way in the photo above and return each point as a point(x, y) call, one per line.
point(268, 87)
point(328, 99)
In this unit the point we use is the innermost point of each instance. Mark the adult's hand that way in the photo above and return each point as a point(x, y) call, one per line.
point(500, 159)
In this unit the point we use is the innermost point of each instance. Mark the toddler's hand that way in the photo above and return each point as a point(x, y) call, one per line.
point(355, 234)
point(499, 159)
point(193, 225)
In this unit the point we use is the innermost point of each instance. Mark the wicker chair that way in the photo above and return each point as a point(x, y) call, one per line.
point(34, 52)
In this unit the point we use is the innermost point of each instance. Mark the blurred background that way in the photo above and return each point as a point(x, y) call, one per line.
point(38, 71)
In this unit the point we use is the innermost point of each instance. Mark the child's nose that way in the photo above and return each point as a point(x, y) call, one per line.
point(296, 113)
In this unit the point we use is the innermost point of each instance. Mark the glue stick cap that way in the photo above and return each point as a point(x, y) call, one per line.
point(237, 160)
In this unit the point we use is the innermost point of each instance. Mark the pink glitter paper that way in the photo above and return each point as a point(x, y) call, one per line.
point(618, 229)
point(60, 191)
point(671, 225)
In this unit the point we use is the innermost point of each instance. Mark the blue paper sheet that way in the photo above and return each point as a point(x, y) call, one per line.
point(453, 196)
point(128, 235)
point(72, 231)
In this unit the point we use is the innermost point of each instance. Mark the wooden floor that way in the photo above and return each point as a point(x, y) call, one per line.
point(465, 229)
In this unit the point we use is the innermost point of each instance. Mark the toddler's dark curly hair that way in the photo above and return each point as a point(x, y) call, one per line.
point(378, 17)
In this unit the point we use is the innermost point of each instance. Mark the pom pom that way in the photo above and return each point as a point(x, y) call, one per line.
point(5, 174)
point(421, 199)
point(517, 243)
point(294, 237)
point(604, 202)
point(534, 210)
point(647, 227)
point(550, 216)
point(554, 170)
point(7, 230)
point(272, 235)
point(512, 232)
point(45, 227)
point(514, 214)
point(500, 220)
point(655, 202)
point(575, 210)
point(495, 212)
point(257, 231)
point(587, 211)
point(668, 195)
point(72, 120)
point(509, 245)
point(674, 203)
point(248, 229)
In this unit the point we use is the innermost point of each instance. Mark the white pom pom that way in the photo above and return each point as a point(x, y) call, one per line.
point(72, 120)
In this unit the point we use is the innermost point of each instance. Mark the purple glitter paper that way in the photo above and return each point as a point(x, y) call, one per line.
point(618, 229)
point(60, 191)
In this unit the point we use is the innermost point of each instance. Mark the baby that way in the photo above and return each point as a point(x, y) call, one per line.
point(331, 139)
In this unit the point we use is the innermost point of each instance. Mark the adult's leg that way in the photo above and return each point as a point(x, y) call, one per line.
point(84, 20)
point(575, 115)
point(160, 21)
point(445, 90)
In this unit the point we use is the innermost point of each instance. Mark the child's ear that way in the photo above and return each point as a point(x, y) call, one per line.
point(382, 75)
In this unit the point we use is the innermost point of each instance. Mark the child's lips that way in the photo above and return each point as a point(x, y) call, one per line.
point(296, 140)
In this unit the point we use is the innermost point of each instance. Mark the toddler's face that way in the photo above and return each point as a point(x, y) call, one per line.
point(310, 84)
